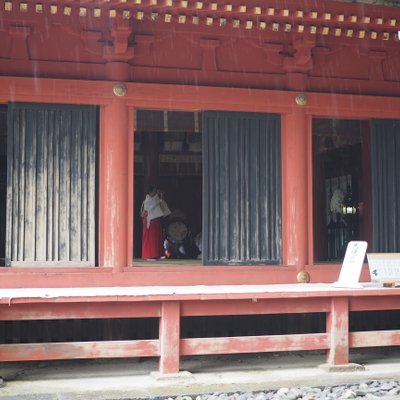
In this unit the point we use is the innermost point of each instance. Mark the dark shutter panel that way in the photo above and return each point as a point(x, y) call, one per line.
point(385, 169)
point(242, 188)
point(51, 184)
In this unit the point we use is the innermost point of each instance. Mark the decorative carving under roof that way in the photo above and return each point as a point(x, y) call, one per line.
point(372, 21)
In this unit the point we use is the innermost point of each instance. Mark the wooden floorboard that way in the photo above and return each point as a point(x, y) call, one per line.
point(139, 262)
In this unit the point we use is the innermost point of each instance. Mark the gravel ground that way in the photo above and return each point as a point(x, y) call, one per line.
point(365, 390)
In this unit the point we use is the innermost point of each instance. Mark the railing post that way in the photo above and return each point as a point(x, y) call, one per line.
point(169, 337)
point(337, 326)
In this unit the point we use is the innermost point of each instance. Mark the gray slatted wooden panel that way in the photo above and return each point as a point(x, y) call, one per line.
point(241, 188)
point(385, 169)
point(3, 182)
point(51, 184)
point(3, 192)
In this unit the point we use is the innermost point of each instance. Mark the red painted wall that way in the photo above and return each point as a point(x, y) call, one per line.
point(71, 59)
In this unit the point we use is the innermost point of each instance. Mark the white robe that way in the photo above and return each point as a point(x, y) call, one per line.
point(155, 208)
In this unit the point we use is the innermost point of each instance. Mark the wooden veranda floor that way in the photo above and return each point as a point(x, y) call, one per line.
point(139, 262)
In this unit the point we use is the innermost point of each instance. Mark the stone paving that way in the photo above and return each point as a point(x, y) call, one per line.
point(268, 376)
point(368, 390)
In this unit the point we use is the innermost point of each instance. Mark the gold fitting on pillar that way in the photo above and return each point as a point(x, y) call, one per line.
point(301, 99)
point(303, 277)
point(119, 89)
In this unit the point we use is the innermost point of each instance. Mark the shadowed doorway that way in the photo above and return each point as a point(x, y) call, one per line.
point(168, 155)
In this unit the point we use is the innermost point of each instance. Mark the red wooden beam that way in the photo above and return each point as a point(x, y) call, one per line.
point(187, 97)
point(254, 306)
point(374, 303)
point(46, 311)
point(254, 344)
point(375, 338)
point(75, 350)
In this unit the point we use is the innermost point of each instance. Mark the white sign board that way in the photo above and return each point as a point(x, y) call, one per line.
point(384, 267)
point(352, 265)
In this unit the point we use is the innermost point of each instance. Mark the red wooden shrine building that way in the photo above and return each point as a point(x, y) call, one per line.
point(259, 120)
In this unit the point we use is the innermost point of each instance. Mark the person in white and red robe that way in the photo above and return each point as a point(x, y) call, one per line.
point(153, 209)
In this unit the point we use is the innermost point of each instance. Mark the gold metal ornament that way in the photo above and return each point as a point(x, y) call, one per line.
point(301, 99)
point(303, 277)
point(119, 89)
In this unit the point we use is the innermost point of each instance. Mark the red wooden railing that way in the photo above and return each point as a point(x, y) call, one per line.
point(170, 304)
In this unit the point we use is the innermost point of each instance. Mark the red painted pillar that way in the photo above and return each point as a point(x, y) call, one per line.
point(114, 183)
point(337, 327)
point(169, 337)
point(294, 200)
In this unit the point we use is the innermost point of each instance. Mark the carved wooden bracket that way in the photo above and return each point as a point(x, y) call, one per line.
point(299, 56)
point(119, 50)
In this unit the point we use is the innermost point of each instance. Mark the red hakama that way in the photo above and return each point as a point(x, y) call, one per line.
point(152, 239)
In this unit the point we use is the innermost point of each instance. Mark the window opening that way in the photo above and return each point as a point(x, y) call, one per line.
point(341, 186)
point(168, 157)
